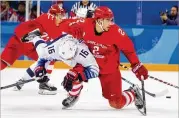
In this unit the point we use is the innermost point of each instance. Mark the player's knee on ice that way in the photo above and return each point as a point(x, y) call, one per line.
point(117, 103)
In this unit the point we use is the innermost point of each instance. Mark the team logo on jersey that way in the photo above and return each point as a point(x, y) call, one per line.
point(97, 44)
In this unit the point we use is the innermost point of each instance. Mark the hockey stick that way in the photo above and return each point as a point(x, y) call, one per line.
point(17, 83)
point(164, 82)
point(162, 93)
point(144, 100)
point(143, 95)
point(154, 78)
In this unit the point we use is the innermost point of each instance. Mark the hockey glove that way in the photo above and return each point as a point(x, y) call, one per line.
point(31, 35)
point(75, 74)
point(139, 70)
point(40, 71)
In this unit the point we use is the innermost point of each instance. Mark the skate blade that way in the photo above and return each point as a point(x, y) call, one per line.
point(142, 111)
point(66, 107)
point(46, 92)
point(72, 104)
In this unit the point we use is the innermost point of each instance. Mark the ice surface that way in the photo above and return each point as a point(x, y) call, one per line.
point(29, 104)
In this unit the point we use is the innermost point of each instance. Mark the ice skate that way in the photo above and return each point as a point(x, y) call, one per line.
point(69, 101)
point(47, 89)
point(138, 100)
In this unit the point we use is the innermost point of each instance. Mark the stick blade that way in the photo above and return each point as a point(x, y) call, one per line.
point(161, 93)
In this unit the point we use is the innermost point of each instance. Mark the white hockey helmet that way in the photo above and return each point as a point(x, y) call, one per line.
point(67, 49)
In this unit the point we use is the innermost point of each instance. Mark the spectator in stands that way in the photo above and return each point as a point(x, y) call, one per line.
point(19, 16)
point(21, 11)
point(33, 12)
point(172, 18)
point(82, 9)
point(6, 11)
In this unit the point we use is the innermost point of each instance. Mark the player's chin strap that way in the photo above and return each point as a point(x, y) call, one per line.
point(100, 25)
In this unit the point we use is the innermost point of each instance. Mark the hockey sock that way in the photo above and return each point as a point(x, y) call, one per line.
point(77, 87)
point(130, 97)
point(50, 68)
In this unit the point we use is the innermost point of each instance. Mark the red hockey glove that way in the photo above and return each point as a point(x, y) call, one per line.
point(40, 71)
point(140, 71)
point(80, 69)
point(75, 74)
point(71, 76)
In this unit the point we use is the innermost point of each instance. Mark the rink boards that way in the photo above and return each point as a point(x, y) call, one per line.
point(158, 51)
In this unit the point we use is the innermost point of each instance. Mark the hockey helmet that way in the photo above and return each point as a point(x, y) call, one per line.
point(55, 9)
point(67, 48)
point(103, 12)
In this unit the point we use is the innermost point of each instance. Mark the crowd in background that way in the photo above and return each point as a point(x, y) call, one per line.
point(170, 18)
point(9, 13)
point(83, 9)
point(14, 11)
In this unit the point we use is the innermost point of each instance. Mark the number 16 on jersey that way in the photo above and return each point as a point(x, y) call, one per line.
point(51, 49)
point(84, 53)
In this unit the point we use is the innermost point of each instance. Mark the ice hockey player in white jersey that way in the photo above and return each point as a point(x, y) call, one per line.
point(72, 52)
point(67, 49)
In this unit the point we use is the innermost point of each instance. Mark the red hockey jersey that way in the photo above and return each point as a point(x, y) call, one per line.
point(106, 46)
point(45, 23)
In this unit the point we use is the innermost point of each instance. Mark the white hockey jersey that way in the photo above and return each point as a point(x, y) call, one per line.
point(49, 51)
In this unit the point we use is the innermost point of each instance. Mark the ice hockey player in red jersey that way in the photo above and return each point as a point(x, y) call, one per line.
point(105, 40)
point(46, 23)
point(43, 26)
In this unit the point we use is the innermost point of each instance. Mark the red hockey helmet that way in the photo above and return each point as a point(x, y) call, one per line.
point(103, 12)
point(55, 9)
